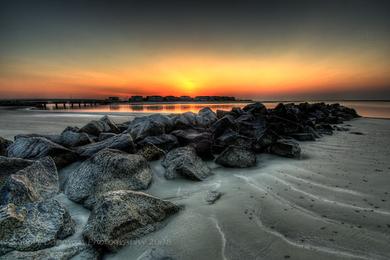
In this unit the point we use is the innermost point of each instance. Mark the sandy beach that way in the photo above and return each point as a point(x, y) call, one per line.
point(333, 202)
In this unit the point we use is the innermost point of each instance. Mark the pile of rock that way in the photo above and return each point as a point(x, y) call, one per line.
point(115, 170)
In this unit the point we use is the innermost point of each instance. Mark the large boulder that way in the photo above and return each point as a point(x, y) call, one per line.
point(257, 109)
point(34, 226)
point(251, 126)
point(122, 142)
point(185, 162)
point(165, 142)
point(237, 157)
point(202, 141)
point(203, 119)
point(155, 124)
point(104, 136)
point(4, 143)
point(74, 250)
point(95, 127)
point(231, 138)
point(108, 170)
point(10, 166)
point(286, 148)
point(206, 116)
point(39, 147)
point(71, 137)
point(151, 152)
point(119, 216)
point(38, 180)
point(55, 138)
point(222, 124)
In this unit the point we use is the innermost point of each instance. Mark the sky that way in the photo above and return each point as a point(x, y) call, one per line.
point(263, 50)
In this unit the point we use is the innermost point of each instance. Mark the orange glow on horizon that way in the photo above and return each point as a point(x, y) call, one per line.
point(194, 75)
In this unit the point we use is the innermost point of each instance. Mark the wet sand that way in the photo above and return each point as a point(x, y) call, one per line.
point(333, 203)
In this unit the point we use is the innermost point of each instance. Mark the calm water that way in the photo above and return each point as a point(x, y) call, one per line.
point(364, 108)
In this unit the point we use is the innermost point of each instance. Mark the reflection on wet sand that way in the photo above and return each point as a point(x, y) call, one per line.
point(153, 108)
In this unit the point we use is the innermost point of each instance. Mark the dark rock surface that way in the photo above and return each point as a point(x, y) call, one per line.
point(4, 143)
point(201, 141)
point(165, 142)
point(203, 119)
point(155, 124)
point(151, 152)
point(122, 142)
point(27, 181)
point(237, 157)
point(122, 215)
point(104, 136)
point(108, 170)
point(53, 137)
point(34, 226)
point(185, 162)
point(70, 137)
point(10, 166)
point(38, 147)
point(95, 127)
point(286, 148)
point(256, 109)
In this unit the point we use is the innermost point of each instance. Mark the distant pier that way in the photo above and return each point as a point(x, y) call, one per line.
point(58, 103)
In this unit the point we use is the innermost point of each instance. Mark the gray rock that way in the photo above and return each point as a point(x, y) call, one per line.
point(286, 148)
point(78, 250)
point(200, 140)
point(206, 116)
point(95, 127)
point(256, 108)
point(185, 162)
point(122, 142)
point(37, 181)
point(39, 147)
point(34, 226)
point(155, 124)
point(212, 196)
point(263, 143)
point(119, 216)
point(165, 142)
point(10, 166)
point(4, 143)
point(104, 136)
point(53, 137)
point(309, 129)
point(70, 138)
point(223, 124)
point(237, 157)
point(108, 170)
point(232, 138)
point(203, 119)
point(151, 152)
point(221, 113)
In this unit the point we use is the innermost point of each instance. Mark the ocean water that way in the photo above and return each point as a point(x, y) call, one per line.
point(377, 109)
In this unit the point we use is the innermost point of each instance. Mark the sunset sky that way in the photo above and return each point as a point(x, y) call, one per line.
point(248, 49)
